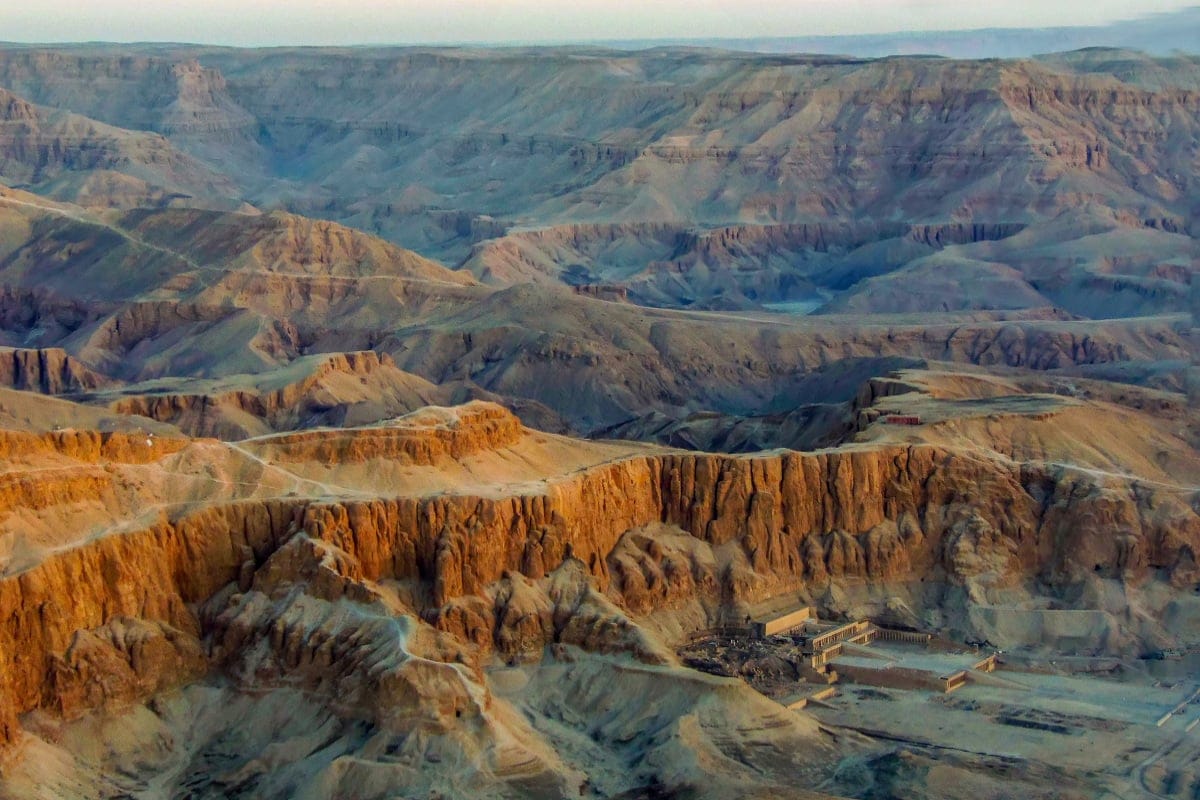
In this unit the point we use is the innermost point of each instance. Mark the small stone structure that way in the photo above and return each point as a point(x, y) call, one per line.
point(907, 637)
point(797, 702)
point(894, 674)
point(784, 622)
point(861, 632)
point(824, 653)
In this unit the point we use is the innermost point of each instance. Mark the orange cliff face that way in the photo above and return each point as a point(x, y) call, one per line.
point(148, 597)
point(242, 504)
point(333, 388)
point(47, 370)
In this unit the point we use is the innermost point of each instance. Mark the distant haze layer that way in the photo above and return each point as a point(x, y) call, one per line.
point(344, 22)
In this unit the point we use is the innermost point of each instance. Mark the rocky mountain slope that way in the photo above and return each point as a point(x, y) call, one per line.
point(726, 178)
point(379, 569)
point(213, 295)
point(68, 156)
point(382, 420)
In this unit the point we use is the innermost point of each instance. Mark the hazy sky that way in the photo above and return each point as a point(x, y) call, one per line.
point(268, 22)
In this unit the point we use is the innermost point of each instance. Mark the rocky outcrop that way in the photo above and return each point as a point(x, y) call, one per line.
point(145, 320)
point(361, 660)
point(39, 145)
point(650, 571)
point(424, 438)
point(493, 566)
point(872, 513)
point(727, 138)
point(519, 616)
point(123, 661)
point(179, 97)
point(282, 243)
point(33, 311)
point(671, 264)
point(676, 365)
point(48, 370)
point(151, 575)
point(326, 394)
point(88, 446)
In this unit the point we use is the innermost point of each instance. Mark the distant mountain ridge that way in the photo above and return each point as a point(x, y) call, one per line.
point(1157, 34)
point(1160, 33)
point(683, 177)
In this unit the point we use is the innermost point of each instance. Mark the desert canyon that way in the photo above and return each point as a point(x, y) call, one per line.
point(462, 422)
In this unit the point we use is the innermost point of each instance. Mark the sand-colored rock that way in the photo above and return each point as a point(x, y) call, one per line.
point(89, 446)
point(797, 518)
point(120, 662)
point(56, 151)
point(150, 575)
point(339, 389)
point(421, 438)
point(356, 594)
point(50, 371)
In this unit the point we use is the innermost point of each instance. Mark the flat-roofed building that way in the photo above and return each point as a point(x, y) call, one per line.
point(781, 622)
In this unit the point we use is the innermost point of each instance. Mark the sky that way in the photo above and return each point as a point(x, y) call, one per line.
point(341, 22)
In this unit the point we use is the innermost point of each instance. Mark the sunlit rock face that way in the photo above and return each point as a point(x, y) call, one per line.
point(591, 355)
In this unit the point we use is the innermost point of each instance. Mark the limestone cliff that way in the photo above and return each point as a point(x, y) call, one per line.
point(873, 513)
point(672, 264)
point(339, 389)
point(57, 151)
point(151, 575)
point(47, 370)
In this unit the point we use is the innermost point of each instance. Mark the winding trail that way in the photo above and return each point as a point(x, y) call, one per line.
point(194, 266)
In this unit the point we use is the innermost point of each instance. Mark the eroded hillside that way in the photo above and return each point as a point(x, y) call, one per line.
point(382, 569)
point(714, 179)
point(686, 340)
